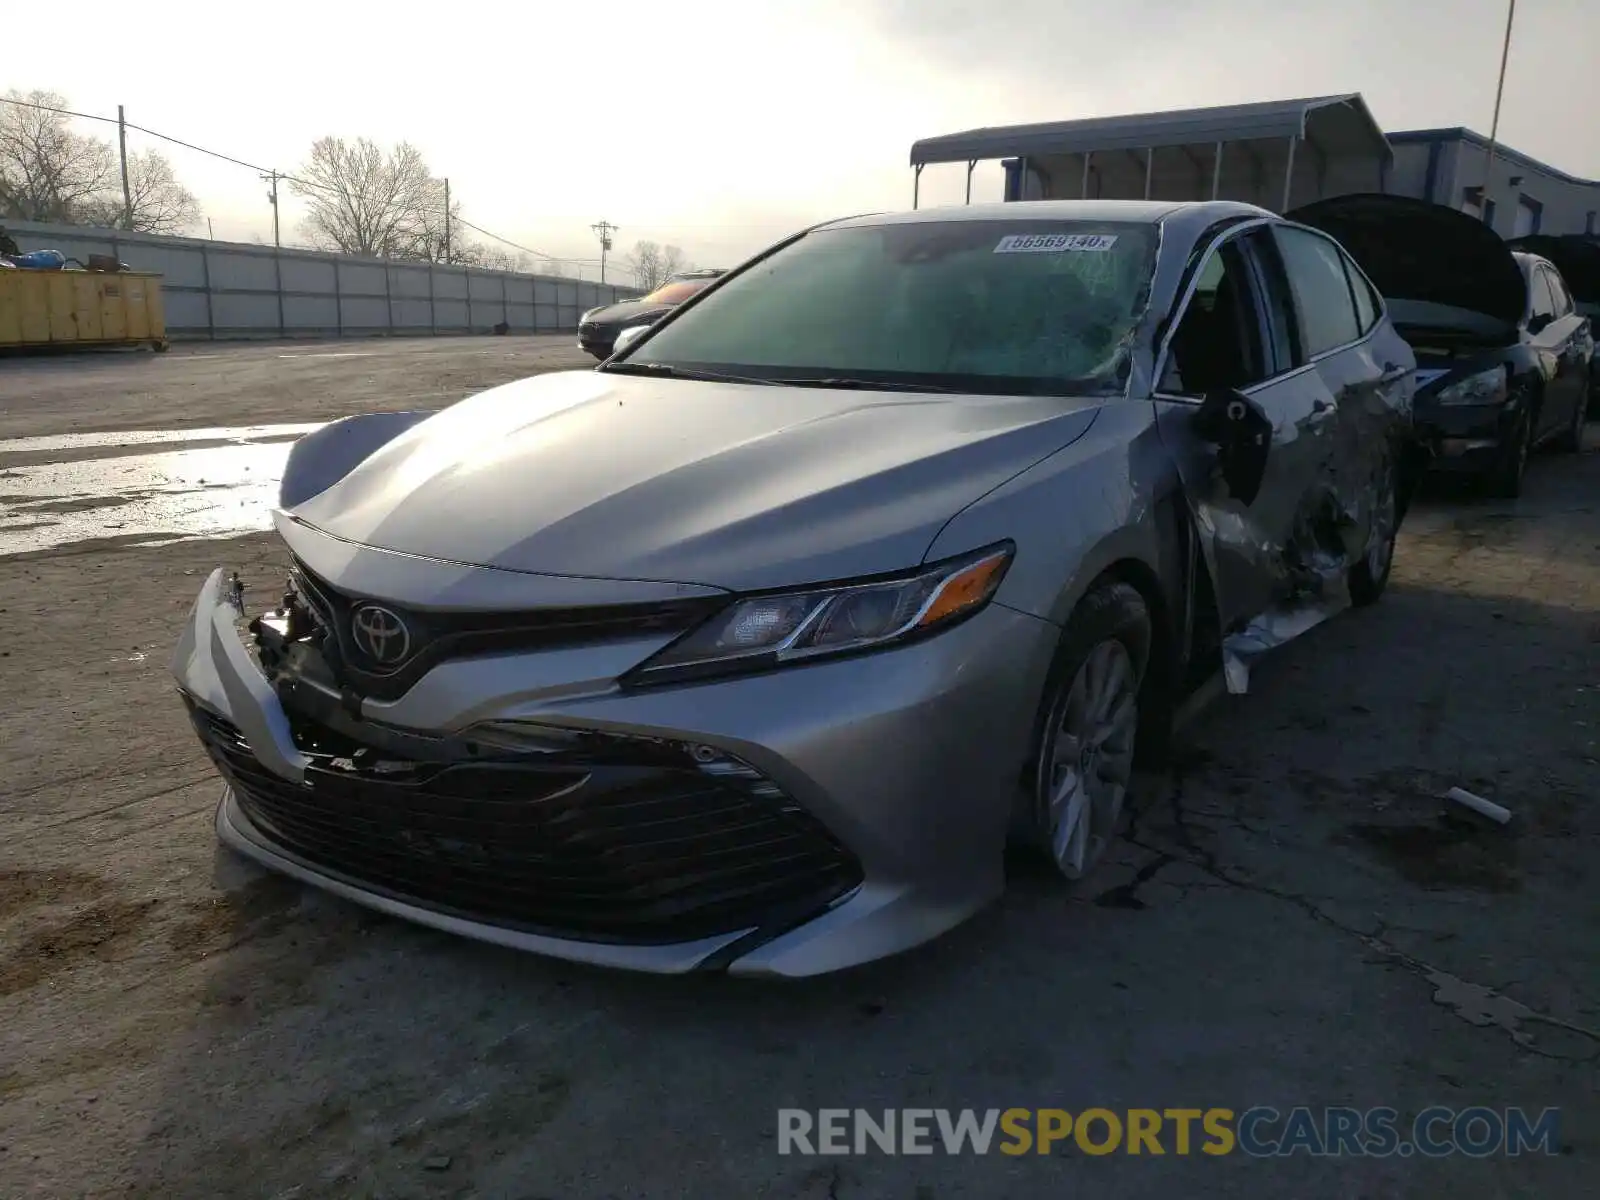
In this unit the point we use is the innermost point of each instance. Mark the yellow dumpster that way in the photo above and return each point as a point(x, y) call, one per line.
point(87, 308)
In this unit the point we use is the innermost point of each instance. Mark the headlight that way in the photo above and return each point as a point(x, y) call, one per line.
point(765, 631)
point(1486, 387)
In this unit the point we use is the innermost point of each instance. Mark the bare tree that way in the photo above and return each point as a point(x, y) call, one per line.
point(499, 258)
point(160, 204)
point(49, 172)
point(653, 264)
point(365, 200)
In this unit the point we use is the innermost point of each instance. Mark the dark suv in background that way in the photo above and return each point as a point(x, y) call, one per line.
point(1503, 351)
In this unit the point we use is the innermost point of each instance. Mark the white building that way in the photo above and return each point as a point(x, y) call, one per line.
point(1278, 155)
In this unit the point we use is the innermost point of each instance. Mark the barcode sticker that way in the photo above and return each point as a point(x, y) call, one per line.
point(1054, 243)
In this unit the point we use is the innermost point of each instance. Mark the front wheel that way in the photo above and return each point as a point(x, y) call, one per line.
point(1505, 478)
point(1369, 575)
point(1088, 725)
point(1571, 439)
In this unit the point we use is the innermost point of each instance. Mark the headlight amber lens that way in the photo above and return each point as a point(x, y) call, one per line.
point(766, 630)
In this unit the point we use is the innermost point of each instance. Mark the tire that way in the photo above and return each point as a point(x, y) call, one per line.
point(1078, 788)
point(1571, 439)
point(1369, 575)
point(1504, 480)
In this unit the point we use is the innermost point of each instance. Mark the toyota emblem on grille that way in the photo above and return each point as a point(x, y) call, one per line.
point(380, 634)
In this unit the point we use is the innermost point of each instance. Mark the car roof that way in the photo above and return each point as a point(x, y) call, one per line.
point(1133, 211)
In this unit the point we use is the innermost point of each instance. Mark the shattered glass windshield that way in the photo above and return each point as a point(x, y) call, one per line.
point(1004, 307)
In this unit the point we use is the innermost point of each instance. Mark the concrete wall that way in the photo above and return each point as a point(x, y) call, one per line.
point(1564, 204)
point(231, 289)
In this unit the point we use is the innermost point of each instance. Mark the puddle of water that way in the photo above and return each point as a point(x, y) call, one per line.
point(243, 435)
point(218, 491)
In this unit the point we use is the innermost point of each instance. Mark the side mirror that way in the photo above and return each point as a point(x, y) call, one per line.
point(1242, 434)
point(628, 337)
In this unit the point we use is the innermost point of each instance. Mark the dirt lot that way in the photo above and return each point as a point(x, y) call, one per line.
point(1287, 923)
point(202, 384)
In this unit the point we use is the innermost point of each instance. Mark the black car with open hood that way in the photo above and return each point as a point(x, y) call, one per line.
point(598, 328)
point(1502, 363)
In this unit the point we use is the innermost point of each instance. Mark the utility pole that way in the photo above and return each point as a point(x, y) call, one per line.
point(604, 230)
point(1494, 125)
point(122, 151)
point(272, 199)
point(446, 220)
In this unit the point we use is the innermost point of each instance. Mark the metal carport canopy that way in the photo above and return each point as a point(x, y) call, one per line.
point(1338, 125)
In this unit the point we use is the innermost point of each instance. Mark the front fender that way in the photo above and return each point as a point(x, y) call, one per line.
point(319, 460)
point(1087, 507)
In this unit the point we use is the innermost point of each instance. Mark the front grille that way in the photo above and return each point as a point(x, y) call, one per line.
point(619, 840)
point(437, 636)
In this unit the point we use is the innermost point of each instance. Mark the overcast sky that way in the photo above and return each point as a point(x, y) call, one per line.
point(719, 125)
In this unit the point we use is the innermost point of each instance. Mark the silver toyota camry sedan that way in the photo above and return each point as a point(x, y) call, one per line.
point(755, 647)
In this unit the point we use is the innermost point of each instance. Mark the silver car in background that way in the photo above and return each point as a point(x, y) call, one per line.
point(755, 647)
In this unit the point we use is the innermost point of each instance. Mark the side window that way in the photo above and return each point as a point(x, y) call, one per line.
point(1542, 303)
point(1559, 293)
point(1218, 344)
point(1322, 292)
point(1366, 298)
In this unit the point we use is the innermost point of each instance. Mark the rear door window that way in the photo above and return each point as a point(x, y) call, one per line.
point(1558, 292)
point(1322, 292)
point(1543, 304)
point(1366, 298)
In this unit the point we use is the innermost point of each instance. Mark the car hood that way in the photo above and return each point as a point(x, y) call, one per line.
point(738, 486)
point(1575, 256)
point(1414, 250)
point(626, 312)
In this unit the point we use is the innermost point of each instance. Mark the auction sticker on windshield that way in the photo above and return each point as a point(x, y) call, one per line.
point(1034, 243)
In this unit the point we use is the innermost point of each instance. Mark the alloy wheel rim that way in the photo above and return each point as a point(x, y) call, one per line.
point(1089, 761)
point(1380, 542)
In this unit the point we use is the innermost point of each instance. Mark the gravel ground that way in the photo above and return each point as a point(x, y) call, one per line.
point(1287, 921)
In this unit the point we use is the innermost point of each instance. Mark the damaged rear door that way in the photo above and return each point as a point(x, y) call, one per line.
point(1252, 427)
point(1368, 371)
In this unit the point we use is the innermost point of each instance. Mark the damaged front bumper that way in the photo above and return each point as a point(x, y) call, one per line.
point(807, 820)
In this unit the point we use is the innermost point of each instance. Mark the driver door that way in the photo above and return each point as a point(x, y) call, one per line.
point(1236, 333)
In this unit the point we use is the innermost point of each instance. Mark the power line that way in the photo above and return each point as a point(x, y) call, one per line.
point(66, 112)
point(515, 245)
point(305, 184)
point(238, 162)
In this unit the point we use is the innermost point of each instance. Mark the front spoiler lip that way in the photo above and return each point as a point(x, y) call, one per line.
point(235, 830)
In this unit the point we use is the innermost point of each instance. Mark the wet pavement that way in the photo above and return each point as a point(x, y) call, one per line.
point(143, 487)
